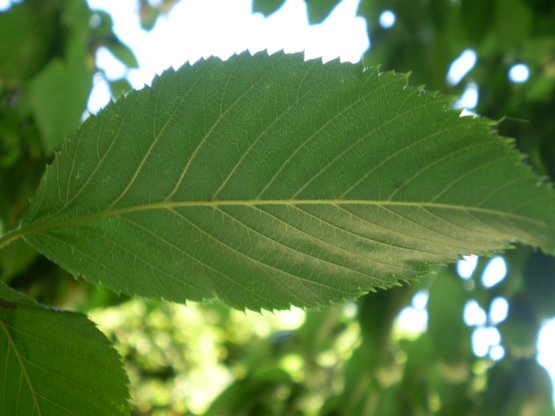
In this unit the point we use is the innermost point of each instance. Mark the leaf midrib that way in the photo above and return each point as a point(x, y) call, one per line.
point(44, 225)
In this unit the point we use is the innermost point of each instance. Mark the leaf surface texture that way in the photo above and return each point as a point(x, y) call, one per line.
point(55, 363)
point(267, 181)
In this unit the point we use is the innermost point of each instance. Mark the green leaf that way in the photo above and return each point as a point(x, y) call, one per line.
point(28, 33)
point(14, 259)
point(448, 297)
point(269, 181)
point(120, 87)
point(122, 52)
point(319, 10)
point(58, 98)
point(266, 7)
point(513, 21)
point(55, 363)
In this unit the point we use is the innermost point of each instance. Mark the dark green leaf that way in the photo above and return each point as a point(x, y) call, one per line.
point(266, 7)
point(513, 22)
point(539, 278)
point(516, 388)
point(446, 306)
point(55, 363)
point(318, 10)
point(269, 181)
point(14, 259)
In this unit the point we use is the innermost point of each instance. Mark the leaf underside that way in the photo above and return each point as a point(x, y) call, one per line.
point(267, 181)
point(55, 363)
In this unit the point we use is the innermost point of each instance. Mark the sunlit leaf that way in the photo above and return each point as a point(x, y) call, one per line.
point(55, 363)
point(269, 181)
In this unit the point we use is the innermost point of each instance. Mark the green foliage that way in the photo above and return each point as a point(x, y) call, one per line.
point(267, 7)
point(56, 362)
point(53, 362)
point(266, 181)
point(318, 10)
point(211, 184)
point(150, 11)
point(31, 29)
point(57, 96)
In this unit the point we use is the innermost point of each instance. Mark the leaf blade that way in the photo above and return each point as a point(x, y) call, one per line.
point(267, 181)
point(56, 363)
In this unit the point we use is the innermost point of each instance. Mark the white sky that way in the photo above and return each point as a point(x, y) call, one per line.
point(196, 29)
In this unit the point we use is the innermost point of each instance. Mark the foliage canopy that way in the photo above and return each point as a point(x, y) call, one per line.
point(264, 182)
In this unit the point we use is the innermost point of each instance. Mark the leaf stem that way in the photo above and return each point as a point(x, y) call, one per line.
point(11, 236)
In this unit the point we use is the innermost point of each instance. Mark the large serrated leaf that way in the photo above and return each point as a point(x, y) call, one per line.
point(55, 363)
point(269, 181)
